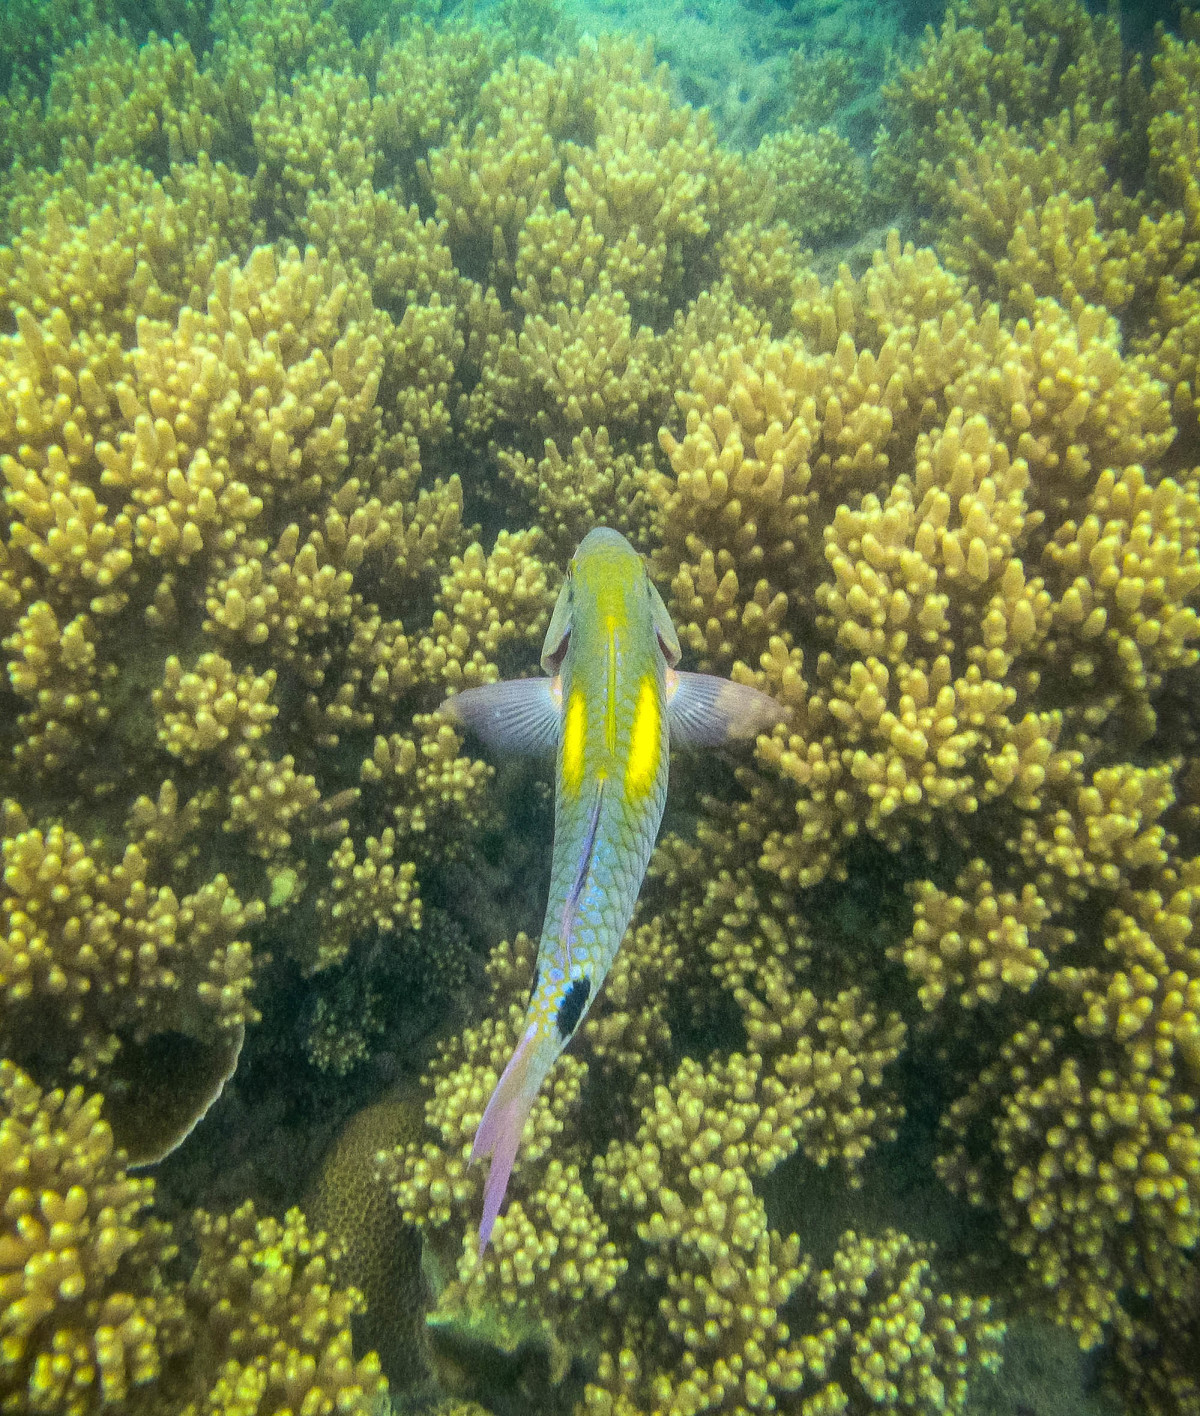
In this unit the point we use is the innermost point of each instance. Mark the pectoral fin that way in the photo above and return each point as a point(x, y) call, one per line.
point(706, 711)
point(519, 715)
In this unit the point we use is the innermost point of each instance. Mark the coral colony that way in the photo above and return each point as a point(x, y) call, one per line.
point(326, 335)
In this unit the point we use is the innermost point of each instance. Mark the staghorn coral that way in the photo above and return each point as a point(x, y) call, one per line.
point(32, 33)
point(95, 1318)
point(725, 1275)
point(944, 508)
point(118, 959)
point(569, 492)
point(425, 82)
point(1032, 60)
point(551, 1252)
point(1170, 339)
point(817, 181)
point(822, 84)
point(807, 1087)
point(1035, 215)
point(110, 243)
point(109, 98)
point(1099, 1148)
point(82, 1324)
point(722, 1279)
point(151, 512)
point(913, 1346)
point(893, 470)
point(977, 942)
point(486, 601)
point(276, 1332)
point(365, 890)
point(319, 133)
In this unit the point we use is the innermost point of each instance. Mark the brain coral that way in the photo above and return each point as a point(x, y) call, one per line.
point(378, 1253)
point(322, 340)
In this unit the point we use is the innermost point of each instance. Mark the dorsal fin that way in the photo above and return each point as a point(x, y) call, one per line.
point(585, 860)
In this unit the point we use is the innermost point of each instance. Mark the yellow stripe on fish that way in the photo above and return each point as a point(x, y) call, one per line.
point(645, 741)
point(610, 699)
point(574, 742)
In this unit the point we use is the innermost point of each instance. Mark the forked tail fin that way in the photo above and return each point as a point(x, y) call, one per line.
point(503, 1121)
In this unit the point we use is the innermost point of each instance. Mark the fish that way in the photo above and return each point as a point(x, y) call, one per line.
point(611, 706)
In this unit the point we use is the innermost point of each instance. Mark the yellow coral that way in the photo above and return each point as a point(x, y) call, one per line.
point(485, 602)
point(293, 1347)
point(305, 140)
point(367, 887)
point(551, 1249)
point(425, 81)
point(571, 492)
point(487, 185)
point(199, 710)
point(590, 366)
point(111, 243)
point(1031, 59)
point(726, 1274)
point(977, 941)
point(111, 99)
point(942, 507)
point(817, 181)
point(80, 1325)
point(113, 950)
point(912, 1344)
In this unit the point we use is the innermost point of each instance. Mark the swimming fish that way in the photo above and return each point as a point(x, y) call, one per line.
point(612, 706)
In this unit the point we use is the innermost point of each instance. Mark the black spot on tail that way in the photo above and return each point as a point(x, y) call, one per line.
point(570, 1010)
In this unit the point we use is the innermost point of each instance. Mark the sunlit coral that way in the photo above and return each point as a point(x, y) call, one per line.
point(81, 1325)
point(266, 505)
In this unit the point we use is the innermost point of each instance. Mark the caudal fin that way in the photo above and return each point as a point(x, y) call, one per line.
point(503, 1121)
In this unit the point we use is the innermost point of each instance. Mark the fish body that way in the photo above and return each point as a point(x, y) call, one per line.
point(610, 707)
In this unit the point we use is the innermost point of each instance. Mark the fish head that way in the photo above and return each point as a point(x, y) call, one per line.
point(607, 582)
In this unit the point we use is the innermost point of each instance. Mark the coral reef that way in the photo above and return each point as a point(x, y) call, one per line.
point(95, 1316)
point(373, 1248)
point(818, 181)
point(325, 333)
point(81, 1324)
point(271, 1328)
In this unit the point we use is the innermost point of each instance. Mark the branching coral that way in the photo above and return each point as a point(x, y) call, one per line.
point(913, 1346)
point(91, 1318)
point(817, 180)
point(279, 1332)
point(685, 1182)
point(551, 1249)
point(977, 942)
point(944, 509)
point(1099, 1148)
point(118, 959)
point(1031, 60)
point(82, 1326)
point(733, 1294)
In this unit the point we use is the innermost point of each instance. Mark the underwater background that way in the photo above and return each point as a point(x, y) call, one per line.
point(327, 330)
